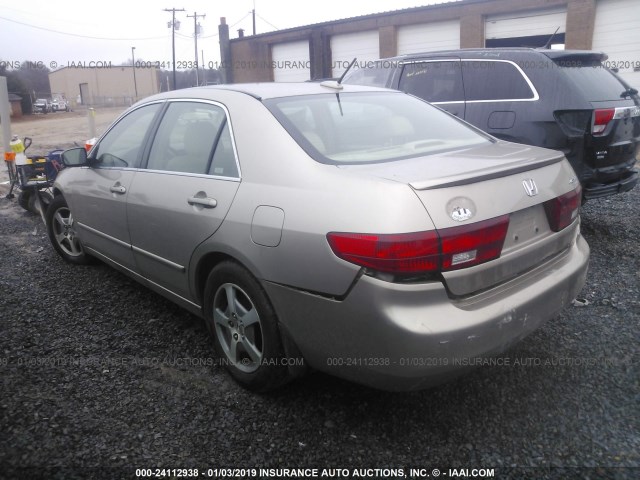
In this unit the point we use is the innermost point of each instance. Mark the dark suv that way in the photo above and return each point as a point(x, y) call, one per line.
point(561, 99)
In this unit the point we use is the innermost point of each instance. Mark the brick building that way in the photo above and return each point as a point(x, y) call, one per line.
point(323, 50)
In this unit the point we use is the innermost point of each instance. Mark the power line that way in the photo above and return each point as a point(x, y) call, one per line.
point(53, 20)
point(266, 21)
point(231, 26)
point(127, 39)
point(77, 35)
point(215, 34)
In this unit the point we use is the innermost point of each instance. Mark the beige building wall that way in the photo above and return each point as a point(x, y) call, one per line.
point(103, 86)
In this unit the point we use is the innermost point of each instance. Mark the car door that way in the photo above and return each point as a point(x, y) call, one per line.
point(100, 197)
point(436, 81)
point(185, 192)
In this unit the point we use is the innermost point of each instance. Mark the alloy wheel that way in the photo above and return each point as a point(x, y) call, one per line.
point(238, 327)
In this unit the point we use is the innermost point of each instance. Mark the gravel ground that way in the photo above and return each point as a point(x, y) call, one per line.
point(99, 376)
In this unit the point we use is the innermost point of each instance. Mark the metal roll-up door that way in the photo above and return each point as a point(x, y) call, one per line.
point(365, 46)
point(429, 37)
point(617, 33)
point(526, 29)
point(291, 62)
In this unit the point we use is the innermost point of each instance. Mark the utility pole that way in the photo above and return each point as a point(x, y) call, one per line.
point(196, 31)
point(173, 26)
point(253, 15)
point(204, 72)
point(133, 65)
point(225, 51)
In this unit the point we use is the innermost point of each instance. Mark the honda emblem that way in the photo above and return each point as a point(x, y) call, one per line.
point(530, 187)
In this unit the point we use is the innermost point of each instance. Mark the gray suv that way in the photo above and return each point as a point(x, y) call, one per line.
point(561, 99)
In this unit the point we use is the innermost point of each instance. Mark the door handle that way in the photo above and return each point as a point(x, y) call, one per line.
point(118, 189)
point(205, 202)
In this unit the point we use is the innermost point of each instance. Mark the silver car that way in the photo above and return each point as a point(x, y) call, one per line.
point(353, 230)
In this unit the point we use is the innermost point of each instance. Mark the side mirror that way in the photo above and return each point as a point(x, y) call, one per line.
point(74, 157)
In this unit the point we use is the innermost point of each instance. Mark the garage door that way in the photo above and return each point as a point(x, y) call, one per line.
point(429, 37)
point(528, 29)
point(617, 33)
point(365, 46)
point(291, 62)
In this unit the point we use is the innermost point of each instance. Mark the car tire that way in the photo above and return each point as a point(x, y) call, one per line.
point(45, 199)
point(62, 232)
point(24, 199)
point(244, 328)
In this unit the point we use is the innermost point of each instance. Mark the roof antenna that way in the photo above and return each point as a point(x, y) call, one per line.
point(337, 84)
point(347, 70)
point(548, 44)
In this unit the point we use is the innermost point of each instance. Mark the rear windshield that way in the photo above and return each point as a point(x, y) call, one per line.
point(349, 128)
point(592, 79)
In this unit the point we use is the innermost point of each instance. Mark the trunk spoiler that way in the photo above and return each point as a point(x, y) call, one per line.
point(486, 174)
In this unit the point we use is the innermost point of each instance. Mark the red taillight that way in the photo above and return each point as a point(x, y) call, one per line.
point(601, 119)
point(563, 210)
point(473, 244)
point(423, 252)
point(397, 253)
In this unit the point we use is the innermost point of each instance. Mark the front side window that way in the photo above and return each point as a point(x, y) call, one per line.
point(122, 145)
point(491, 80)
point(194, 137)
point(433, 81)
point(349, 128)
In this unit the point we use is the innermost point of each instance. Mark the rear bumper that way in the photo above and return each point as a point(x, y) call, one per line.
point(624, 184)
point(411, 336)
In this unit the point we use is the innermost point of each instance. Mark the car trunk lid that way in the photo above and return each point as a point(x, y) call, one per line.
point(469, 187)
point(461, 167)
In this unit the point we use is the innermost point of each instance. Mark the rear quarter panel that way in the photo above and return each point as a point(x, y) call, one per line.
point(315, 198)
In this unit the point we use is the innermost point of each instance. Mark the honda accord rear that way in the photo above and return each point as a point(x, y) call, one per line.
point(459, 245)
point(357, 231)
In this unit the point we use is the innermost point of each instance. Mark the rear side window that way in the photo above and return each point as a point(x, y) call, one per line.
point(433, 81)
point(493, 80)
point(592, 79)
point(194, 137)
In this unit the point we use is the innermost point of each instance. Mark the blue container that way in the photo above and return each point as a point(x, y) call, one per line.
point(54, 164)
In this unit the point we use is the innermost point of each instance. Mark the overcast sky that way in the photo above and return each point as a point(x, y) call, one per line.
point(101, 31)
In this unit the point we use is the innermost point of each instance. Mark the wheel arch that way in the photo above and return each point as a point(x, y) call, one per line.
point(203, 268)
point(206, 263)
